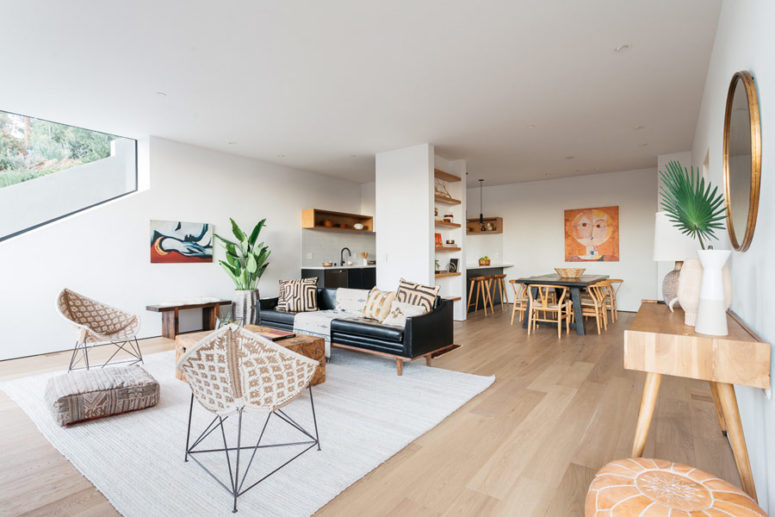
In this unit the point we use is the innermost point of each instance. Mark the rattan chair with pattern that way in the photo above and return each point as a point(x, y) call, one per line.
point(97, 323)
point(232, 372)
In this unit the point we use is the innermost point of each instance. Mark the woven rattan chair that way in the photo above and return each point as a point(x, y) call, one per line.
point(233, 371)
point(97, 323)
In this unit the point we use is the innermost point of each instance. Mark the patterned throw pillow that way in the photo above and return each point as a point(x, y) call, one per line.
point(417, 294)
point(351, 301)
point(378, 304)
point(399, 311)
point(298, 295)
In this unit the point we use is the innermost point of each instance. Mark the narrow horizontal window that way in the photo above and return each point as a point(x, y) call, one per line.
point(50, 170)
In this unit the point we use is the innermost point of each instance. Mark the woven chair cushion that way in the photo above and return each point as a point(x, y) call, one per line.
point(651, 488)
point(99, 392)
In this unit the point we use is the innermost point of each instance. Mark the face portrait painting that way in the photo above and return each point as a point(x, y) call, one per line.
point(592, 234)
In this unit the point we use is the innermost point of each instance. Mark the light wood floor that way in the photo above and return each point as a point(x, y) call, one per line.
point(529, 445)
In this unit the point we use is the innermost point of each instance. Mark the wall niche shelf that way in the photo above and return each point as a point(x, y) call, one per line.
point(473, 227)
point(317, 219)
point(441, 175)
point(446, 224)
point(447, 200)
point(447, 248)
point(446, 274)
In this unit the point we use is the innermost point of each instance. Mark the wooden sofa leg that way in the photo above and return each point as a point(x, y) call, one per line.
point(399, 367)
point(427, 360)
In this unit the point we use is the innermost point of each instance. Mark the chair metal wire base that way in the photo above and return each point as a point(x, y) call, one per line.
point(82, 348)
point(237, 479)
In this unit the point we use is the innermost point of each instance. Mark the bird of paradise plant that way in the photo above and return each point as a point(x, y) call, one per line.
point(246, 259)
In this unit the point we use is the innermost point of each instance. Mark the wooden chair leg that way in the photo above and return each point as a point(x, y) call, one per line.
point(489, 290)
point(513, 312)
point(530, 322)
point(559, 323)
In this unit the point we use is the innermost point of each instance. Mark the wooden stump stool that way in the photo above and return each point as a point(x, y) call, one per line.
point(651, 488)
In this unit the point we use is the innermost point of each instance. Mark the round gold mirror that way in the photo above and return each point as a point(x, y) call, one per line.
point(742, 159)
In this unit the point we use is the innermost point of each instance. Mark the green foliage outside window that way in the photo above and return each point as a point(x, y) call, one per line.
point(31, 148)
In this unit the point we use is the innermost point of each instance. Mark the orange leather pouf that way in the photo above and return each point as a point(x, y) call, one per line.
point(641, 487)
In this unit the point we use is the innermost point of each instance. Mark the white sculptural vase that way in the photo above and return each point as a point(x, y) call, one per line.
point(712, 308)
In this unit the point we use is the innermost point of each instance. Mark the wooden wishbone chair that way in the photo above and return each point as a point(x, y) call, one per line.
point(612, 289)
point(593, 304)
point(520, 300)
point(543, 305)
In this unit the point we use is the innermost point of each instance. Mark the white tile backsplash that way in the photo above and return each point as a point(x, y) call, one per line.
point(318, 246)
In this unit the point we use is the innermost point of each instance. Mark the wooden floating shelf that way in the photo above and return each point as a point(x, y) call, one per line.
point(317, 219)
point(473, 227)
point(447, 248)
point(441, 175)
point(443, 275)
point(448, 225)
point(447, 200)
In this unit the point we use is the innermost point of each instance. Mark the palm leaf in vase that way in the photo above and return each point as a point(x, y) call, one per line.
point(693, 205)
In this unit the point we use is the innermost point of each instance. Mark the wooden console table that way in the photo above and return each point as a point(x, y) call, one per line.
point(659, 343)
point(170, 315)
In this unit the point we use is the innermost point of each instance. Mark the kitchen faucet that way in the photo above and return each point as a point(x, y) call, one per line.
point(341, 255)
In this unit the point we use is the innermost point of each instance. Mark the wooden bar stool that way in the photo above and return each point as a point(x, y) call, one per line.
point(499, 282)
point(482, 285)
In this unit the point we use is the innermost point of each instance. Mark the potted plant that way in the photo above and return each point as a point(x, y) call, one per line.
point(697, 209)
point(246, 261)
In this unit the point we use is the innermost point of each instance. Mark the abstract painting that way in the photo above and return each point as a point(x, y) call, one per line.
point(177, 241)
point(592, 234)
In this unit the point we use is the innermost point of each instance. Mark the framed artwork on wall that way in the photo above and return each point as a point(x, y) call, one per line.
point(592, 234)
point(181, 242)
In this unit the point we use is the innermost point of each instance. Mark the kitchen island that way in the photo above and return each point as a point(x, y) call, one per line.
point(354, 277)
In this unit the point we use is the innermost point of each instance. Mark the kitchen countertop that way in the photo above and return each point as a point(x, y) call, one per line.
point(354, 266)
point(493, 265)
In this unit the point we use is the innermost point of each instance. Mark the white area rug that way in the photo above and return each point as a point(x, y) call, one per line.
point(365, 412)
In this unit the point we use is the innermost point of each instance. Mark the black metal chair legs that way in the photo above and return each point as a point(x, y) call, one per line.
point(237, 476)
point(81, 354)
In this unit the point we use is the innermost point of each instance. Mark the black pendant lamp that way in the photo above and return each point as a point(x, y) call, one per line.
point(481, 206)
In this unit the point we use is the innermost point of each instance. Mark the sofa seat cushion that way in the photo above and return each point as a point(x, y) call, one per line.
point(100, 392)
point(367, 328)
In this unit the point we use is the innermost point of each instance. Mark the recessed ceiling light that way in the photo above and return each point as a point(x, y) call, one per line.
point(353, 156)
point(532, 126)
point(622, 48)
point(281, 156)
point(569, 157)
point(231, 142)
point(638, 128)
point(163, 94)
point(643, 145)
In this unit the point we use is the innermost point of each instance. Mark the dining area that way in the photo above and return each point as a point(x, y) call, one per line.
point(564, 300)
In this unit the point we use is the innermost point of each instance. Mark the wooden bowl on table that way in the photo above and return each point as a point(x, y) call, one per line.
point(570, 272)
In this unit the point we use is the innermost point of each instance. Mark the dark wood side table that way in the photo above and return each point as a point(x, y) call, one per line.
point(659, 343)
point(170, 315)
point(574, 284)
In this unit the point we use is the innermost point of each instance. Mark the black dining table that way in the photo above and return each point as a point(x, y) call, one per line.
point(574, 284)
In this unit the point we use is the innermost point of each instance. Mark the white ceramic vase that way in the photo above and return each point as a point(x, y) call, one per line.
point(689, 284)
point(712, 307)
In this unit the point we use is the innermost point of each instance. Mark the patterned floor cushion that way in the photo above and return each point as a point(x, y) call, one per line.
point(96, 393)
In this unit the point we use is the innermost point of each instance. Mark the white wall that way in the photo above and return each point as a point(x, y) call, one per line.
point(104, 252)
point(745, 40)
point(404, 205)
point(533, 227)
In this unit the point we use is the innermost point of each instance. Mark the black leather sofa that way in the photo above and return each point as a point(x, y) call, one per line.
point(421, 336)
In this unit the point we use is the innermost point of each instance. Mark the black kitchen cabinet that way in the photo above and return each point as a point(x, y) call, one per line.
point(354, 278)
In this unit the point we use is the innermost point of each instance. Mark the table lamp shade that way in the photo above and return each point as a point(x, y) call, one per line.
point(670, 244)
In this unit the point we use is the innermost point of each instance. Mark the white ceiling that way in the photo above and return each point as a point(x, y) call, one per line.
point(516, 87)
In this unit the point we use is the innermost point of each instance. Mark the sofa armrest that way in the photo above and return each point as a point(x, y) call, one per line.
point(430, 331)
point(268, 304)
